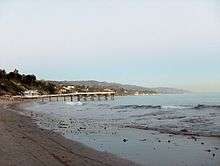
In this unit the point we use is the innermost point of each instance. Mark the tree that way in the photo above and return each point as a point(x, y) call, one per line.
point(14, 75)
point(29, 79)
point(2, 74)
point(51, 88)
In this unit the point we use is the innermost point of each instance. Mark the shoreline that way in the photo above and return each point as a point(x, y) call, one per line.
point(183, 132)
point(138, 145)
point(85, 142)
point(24, 143)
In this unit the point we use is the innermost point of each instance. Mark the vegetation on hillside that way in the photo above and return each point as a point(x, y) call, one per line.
point(121, 89)
point(95, 86)
point(14, 83)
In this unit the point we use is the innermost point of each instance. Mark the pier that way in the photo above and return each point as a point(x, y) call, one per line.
point(78, 96)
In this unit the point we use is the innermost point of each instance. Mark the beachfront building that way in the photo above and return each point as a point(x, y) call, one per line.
point(66, 89)
point(31, 93)
point(136, 93)
point(108, 90)
point(69, 87)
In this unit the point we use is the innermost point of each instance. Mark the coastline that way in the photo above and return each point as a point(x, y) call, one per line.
point(84, 140)
point(85, 123)
point(24, 143)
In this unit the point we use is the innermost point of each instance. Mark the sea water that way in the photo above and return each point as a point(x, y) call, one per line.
point(181, 129)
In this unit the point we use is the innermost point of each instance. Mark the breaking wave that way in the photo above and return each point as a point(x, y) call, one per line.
point(202, 106)
point(137, 107)
point(176, 131)
point(75, 103)
point(177, 107)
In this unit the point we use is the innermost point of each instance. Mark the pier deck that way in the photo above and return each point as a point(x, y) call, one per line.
point(78, 95)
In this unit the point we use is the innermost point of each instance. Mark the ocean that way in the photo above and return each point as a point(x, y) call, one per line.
point(182, 129)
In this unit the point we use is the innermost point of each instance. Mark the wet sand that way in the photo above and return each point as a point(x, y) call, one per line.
point(143, 145)
point(23, 143)
point(148, 147)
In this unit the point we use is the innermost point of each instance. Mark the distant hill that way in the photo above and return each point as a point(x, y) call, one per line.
point(166, 90)
point(130, 89)
point(93, 85)
point(14, 83)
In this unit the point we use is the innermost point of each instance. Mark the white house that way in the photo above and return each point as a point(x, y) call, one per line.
point(69, 87)
point(31, 93)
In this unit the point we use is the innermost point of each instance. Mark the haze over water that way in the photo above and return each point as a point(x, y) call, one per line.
point(172, 43)
point(150, 43)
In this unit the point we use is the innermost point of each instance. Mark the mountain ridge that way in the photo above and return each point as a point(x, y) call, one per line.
point(105, 84)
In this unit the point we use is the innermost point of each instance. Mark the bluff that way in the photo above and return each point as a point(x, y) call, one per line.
point(14, 83)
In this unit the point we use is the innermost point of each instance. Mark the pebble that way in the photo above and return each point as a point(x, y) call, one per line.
point(184, 130)
point(195, 139)
point(208, 150)
point(125, 140)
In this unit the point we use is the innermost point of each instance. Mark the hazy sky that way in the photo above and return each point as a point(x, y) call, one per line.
point(145, 42)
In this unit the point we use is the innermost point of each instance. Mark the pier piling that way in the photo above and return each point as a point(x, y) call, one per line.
point(78, 97)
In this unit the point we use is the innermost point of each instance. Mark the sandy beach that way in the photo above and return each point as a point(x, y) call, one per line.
point(110, 83)
point(111, 132)
point(23, 143)
point(176, 132)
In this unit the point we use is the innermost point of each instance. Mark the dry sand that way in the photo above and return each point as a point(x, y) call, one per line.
point(23, 143)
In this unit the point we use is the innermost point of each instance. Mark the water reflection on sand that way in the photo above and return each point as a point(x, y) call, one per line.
point(154, 130)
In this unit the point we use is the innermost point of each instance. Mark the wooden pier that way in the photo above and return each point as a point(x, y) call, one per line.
point(70, 96)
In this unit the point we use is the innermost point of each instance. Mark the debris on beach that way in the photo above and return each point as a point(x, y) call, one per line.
point(82, 128)
point(193, 137)
point(208, 150)
point(125, 140)
point(184, 130)
point(62, 124)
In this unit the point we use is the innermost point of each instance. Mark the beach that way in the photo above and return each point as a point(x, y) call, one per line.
point(110, 83)
point(24, 143)
point(158, 130)
point(175, 130)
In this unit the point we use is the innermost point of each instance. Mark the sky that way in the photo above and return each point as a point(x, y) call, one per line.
point(172, 43)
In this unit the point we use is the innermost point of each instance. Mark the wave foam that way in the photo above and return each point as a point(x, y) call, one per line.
point(175, 107)
point(75, 103)
point(202, 106)
point(137, 107)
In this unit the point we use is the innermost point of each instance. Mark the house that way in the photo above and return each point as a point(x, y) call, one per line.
point(31, 93)
point(62, 90)
point(108, 90)
point(69, 87)
point(136, 94)
point(66, 89)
